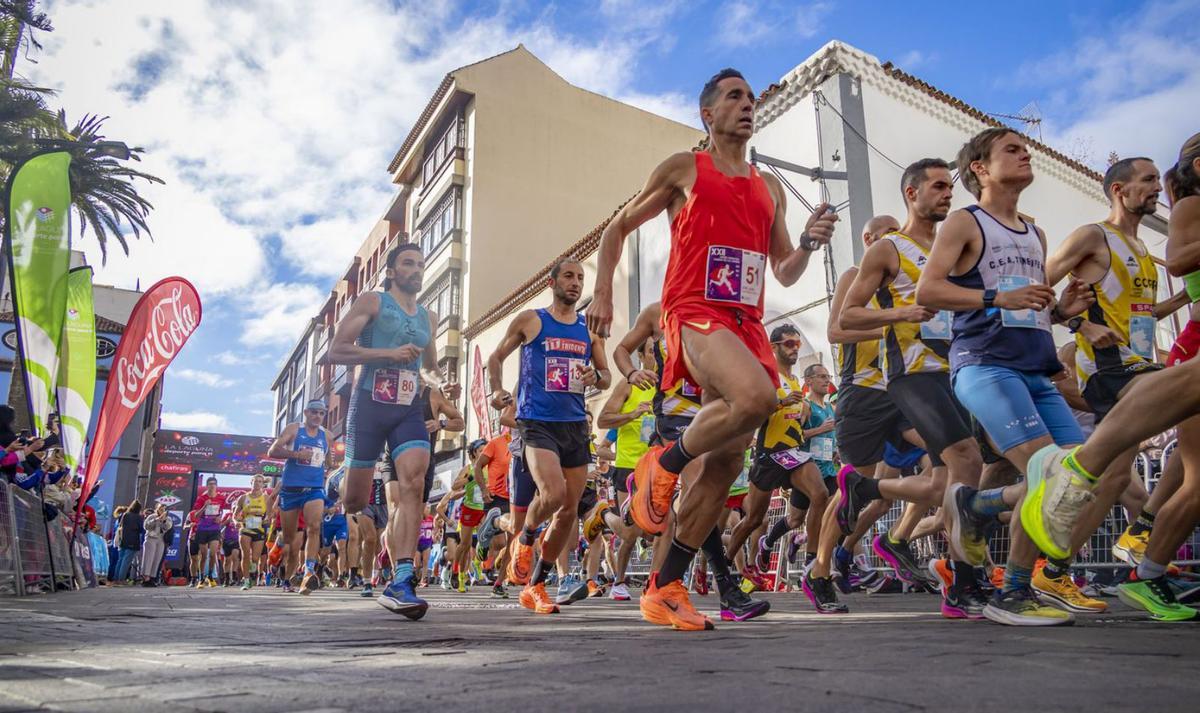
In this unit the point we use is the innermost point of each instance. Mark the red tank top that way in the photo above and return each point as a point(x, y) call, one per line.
point(719, 242)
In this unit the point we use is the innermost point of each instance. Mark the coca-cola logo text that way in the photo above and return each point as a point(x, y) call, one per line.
point(172, 321)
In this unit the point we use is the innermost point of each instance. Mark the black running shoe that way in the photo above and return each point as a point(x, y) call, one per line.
point(901, 558)
point(736, 605)
point(820, 592)
point(851, 505)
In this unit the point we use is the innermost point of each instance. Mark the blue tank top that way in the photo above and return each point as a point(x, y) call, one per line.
point(549, 388)
point(392, 327)
point(309, 473)
point(1017, 339)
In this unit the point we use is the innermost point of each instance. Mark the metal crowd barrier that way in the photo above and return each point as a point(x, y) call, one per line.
point(33, 552)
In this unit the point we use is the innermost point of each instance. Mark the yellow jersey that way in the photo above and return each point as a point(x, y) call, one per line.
point(908, 347)
point(784, 428)
point(858, 362)
point(1125, 300)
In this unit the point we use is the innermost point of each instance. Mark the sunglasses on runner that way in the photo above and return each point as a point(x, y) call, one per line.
point(790, 343)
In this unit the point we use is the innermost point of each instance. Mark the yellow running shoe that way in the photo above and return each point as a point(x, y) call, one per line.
point(1063, 593)
point(1130, 548)
point(1055, 499)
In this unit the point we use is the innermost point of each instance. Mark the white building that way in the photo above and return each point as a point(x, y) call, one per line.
point(853, 123)
point(296, 382)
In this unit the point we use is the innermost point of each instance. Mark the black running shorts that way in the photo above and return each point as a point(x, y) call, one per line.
point(620, 478)
point(866, 419)
point(587, 500)
point(1104, 387)
point(927, 401)
point(566, 439)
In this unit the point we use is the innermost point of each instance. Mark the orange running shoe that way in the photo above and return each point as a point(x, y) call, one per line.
point(670, 606)
point(520, 564)
point(536, 599)
point(998, 577)
point(653, 487)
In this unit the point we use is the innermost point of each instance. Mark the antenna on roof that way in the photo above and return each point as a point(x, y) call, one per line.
point(1030, 115)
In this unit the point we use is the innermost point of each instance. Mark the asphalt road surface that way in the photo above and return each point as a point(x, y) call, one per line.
point(169, 650)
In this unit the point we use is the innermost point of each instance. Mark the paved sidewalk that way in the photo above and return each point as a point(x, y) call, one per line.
point(168, 650)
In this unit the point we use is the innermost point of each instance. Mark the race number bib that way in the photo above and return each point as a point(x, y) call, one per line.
point(939, 327)
point(646, 433)
point(316, 457)
point(821, 448)
point(1141, 335)
point(562, 375)
point(253, 522)
point(689, 389)
point(1021, 318)
point(394, 386)
point(212, 510)
point(792, 458)
point(734, 275)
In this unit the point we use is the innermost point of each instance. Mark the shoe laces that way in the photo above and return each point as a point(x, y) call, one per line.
point(1162, 589)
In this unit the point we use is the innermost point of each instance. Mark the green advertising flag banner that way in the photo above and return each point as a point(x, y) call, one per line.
point(39, 238)
point(77, 365)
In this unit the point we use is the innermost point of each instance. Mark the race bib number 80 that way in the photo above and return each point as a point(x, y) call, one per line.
point(734, 275)
point(394, 386)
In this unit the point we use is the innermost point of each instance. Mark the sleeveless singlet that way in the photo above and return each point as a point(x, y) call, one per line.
point(681, 400)
point(858, 362)
point(908, 347)
point(472, 497)
point(1017, 339)
point(719, 242)
point(633, 438)
point(1191, 282)
point(784, 428)
point(387, 381)
point(1125, 299)
point(741, 484)
point(309, 473)
point(549, 388)
point(253, 510)
point(823, 446)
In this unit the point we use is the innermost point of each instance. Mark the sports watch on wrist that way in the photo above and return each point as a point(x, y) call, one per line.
point(989, 298)
point(1074, 324)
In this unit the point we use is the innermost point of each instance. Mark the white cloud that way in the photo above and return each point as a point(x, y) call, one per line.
point(742, 23)
point(229, 358)
point(913, 59)
point(1135, 99)
point(195, 421)
point(278, 314)
point(204, 378)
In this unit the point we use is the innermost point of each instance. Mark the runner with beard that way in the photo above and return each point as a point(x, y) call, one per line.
point(389, 336)
point(560, 359)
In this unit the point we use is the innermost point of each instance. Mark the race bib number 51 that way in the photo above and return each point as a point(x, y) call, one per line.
point(734, 275)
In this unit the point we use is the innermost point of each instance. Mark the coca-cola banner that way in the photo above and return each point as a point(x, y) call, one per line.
point(479, 397)
point(162, 320)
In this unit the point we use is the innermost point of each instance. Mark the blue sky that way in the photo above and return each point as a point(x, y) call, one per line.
point(273, 123)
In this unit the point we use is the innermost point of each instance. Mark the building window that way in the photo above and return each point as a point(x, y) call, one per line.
point(300, 370)
point(435, 229)
point(297, 408)
point(442, 151)
point(280, 425)
point(443, 299)
point(281, 396)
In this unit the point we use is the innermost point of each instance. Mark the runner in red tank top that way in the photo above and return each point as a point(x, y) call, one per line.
point(727, 224)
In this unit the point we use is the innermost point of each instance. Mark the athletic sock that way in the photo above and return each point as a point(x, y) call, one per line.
point(1143, 523)
point(541, 570)
point(1073, 465)
point(1149, 569)
point(616, 518)
point(988, 503)
point(675, 564)
point(403, 570)
point(528, 536)
point(714, 549)
point(1016, 577)
point(675, 458)
point(778, 530)
point(867, 489)
point(964, 575)
point(1056, 568)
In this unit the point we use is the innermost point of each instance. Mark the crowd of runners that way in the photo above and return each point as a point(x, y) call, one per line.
point(951, 397)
